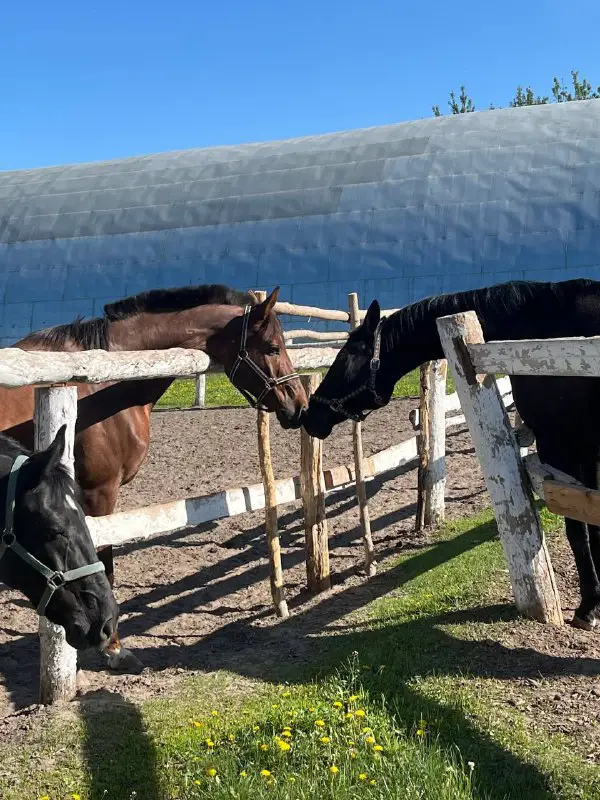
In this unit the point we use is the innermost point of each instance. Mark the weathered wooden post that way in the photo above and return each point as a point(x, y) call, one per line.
point(361, 492)
point(432, 445)
point(519, 526)
point(266, 469)
point(200, 391)
point(312, 487)
point(55, 407)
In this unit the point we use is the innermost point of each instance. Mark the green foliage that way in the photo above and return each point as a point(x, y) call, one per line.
point(560, 93)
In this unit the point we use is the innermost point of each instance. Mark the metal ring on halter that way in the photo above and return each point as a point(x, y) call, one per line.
point(337, 404)
point(55, 579)
point(244, 358)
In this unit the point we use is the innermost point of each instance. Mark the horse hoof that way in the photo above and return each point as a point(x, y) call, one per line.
point(584, 624)
point(123, 660)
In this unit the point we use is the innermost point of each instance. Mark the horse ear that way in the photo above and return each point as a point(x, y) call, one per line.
point(372, 317)
point(44, 461)
point(261, 311)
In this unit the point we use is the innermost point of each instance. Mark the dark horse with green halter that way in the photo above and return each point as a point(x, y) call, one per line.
point(563, 413)
point(46, 551)
point(113, 419)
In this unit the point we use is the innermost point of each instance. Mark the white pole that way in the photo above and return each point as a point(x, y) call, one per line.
point(55, 407)
point(529, 566)
point(200, 395)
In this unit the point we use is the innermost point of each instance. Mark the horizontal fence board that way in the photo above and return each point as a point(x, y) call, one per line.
point(572, 357)
point(42, 368)
point(161, 518)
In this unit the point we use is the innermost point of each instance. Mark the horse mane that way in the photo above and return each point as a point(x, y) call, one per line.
point(58, 480)
point(160, 301)
point(92, 334)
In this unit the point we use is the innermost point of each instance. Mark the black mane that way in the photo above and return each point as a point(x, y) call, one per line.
point(57, 480)
point(160, 301)
point(92, 334)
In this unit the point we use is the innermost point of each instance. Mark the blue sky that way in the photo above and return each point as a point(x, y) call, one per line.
point(85, 81)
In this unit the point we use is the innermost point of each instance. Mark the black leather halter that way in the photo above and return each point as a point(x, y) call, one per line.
point(244, 358)
point(338, 404)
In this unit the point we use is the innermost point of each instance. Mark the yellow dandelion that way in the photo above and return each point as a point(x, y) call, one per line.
point(291, 779)
point(352, 753)
point(274, 706)
point(209, 743)
point(353, 698)
point(75, 797)
point(420, 732)
point(45, 797)
point(378, 748)
point(366, 730)
point(287, 733)
point(284, 746)
point(195, 723)
point(360, 712)
point(243, 774)
point(215, 713)
point(333, 769)
point(255, 728)
point(325, 740)
point(351, 743)
point(211, 773)
point(198, 783)
point(320, 723)
point(337, 704)
point(370, 739)
point(349, 715)
point(264, 747)
point(372, 782)
point(286, 694)
point(265, 773)
point(312, 710)
point(231, 737)
point(362, 776)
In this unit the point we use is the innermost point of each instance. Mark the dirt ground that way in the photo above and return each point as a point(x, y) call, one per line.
point(199, 599)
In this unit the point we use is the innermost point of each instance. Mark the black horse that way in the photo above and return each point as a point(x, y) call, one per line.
point(563, 413)
point(46, 550)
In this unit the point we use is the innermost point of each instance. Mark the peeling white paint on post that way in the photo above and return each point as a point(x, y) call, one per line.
point(55, 407)
point(200, 393)
point(569, 357)
point(529, 566)
point(432, 445)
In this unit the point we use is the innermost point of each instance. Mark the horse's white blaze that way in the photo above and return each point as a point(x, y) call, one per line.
point(71, 502)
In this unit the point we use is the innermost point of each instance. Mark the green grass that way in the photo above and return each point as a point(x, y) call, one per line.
point(220, 392)
point(414, 661)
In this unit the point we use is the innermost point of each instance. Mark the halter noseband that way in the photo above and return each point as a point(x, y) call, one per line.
point(337, 404)
point(244, 358)
point(8, 541)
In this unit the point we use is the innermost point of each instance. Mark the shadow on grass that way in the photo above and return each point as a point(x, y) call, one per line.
point(403, 648)
point(118, 752)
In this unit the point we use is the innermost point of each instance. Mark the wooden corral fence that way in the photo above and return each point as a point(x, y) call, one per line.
point(509, 477)
point(55, 405)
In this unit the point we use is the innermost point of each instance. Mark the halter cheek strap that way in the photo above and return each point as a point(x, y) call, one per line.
point(243, 357)
point(54, 579)
point(338, 404)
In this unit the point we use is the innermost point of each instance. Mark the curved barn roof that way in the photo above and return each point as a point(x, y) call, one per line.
point(397, 211)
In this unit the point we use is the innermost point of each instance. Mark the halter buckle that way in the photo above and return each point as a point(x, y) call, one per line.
point(8, 539)
point(56, 580)
point(375, 364)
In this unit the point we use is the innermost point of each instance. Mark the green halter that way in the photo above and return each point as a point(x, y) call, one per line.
point(8, 541)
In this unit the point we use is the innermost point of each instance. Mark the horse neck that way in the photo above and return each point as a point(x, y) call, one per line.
point(507, 311)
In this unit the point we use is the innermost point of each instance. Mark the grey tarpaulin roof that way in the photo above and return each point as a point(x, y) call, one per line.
point(398, 212)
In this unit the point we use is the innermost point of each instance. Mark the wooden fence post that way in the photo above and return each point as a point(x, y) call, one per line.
point(519, 526)
point(361, 492)
point(200, 391)
point(432, 445)
point(312, 486)
point(266, 469)
point(54, 407)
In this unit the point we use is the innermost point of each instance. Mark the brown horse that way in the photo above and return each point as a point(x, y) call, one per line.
point(113, 419)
